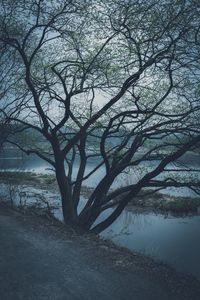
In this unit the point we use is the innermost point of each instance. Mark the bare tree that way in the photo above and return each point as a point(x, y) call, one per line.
point(111, 81)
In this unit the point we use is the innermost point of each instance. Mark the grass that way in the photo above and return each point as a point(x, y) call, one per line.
point(180, 205)
point(20, 177)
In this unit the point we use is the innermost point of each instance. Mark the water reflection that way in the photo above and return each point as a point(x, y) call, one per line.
point(170, 239)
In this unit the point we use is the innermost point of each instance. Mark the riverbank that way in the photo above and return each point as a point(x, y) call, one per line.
point(145, 201)
point(43, 259)
point(173, 239)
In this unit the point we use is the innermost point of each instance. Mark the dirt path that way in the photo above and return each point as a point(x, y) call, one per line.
point(42, 260)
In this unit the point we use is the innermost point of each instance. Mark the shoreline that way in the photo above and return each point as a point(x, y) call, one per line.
point(34, 196)
point(155, 202)
point(117, 257)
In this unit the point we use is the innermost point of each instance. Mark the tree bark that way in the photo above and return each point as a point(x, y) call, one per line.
point(69, 212)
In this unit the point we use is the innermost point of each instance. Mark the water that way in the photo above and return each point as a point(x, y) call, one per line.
point(174, 240)
point(15, 161)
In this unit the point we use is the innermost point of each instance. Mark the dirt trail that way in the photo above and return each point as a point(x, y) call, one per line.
point(42, 260)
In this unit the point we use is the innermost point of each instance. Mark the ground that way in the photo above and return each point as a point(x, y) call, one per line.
point(44, 259)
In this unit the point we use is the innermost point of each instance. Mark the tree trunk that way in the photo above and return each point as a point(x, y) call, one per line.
point(69, 212)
